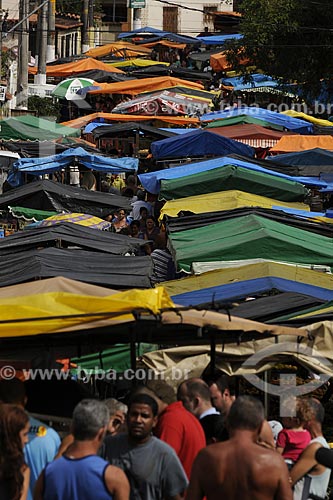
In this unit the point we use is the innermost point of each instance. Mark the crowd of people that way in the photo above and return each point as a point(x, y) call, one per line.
point(209, 443)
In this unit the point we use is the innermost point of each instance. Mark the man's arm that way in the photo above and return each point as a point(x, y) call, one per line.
point(39, 487)
point(305, 463)
point(117, 483)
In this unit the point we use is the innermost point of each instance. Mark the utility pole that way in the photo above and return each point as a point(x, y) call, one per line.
point(85, 26)
point(91, 23)
point(22, 74)
point(42, 28)
point(50, 52)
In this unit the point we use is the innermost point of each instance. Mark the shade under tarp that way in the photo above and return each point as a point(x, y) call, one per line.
point(253, 237)
point(103, 269)
point(151, 181)
point(246, 279)
point(199, 143)
point(129, 129)
point(224, 200)
point(70, 235)
point(288, 122)
point(48, 195)
point(34, 129)
point(231, 177)
point(309, 162)
point(49, 164)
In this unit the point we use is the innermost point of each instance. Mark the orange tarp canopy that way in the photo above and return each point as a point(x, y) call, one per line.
point(294, 143)
point(165, 43)
point(76, 67)
point(118, 49)
point(84, 120)
point(219, 62)
point(134, 87)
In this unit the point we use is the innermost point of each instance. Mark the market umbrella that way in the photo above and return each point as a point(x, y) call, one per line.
point(67, 89)
point(82, 219)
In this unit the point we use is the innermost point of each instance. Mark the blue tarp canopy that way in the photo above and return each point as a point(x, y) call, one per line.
point(151, 180)
point(257, 80)
point(49, 164)
point(92, 125)
point(294, 124)
point(146, 30)
point(316, 156)
point(199, 142)
point(218, 39)
point(243, 289)
point(178, 131)
point(159, 35)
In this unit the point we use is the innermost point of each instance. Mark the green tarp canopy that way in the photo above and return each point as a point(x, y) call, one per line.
point(28, 127)
point(237, 120)
point(30, 214)
point(231, 177)
point(252, 237)
point(118, 358)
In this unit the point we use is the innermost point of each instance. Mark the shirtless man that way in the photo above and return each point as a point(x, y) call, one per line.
point(240, 468)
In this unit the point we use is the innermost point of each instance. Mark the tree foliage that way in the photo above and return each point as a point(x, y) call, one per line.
point(288, 39)
point(44, 106)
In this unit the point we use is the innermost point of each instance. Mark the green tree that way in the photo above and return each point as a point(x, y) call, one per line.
point(44, 106)
point(288, 39)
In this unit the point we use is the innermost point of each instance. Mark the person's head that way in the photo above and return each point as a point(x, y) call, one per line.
point(299, 414)
point(143, 213)
point(150, 222)
point(90, 420)
point(118, 412)
point(222, 392)
point(14, 429)
point(141, 194)
point(141, 417)
point(195, 396)
point(213, 427)
point(128, 192)
point(160, 242)
point(314, 413)
point(135, 227)
point(13, 392)
point(121, 214)
point(246, 414)
point(109, 217)
point(131, 181)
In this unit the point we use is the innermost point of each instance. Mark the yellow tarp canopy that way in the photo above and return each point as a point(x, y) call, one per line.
point(76, 67)
point(308, 118)
point(294, 143)
point(51, 309)
point(134, 87)
point(249, 272)
point(140, 63)
point(118, 49)
point(225, 200)
point(84, 120)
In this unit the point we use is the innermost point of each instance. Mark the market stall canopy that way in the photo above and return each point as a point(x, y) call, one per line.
point(118, 50)
point(164, 102)
point(231, 177)
point(74, 320)
point(243, 119)
point(76, 67)
point(219, 62)
point(287, 122)
point(48, 195)
point(82, 219)
point(308, 162)
point(113, 117)
point(219, 39)
point(251, 134)
point(252, 279)
point(254, 81)
point(252, 237)
point(33, 128)
point(309, 221)
point(70, 235)
point(151, 181)
point(102, 269)
point(49, 164)
point(294, 143)
point(100, 75)
point(309, 118)
point(30, 214)
point(135, 87)
point(176, 71)
point(198, 143)
point(156, 35)
point(130, 129)
point(67, 89)
point(137, 63)
point(225, 200)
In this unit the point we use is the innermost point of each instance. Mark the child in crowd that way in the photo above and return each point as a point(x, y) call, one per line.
point(294, 437)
